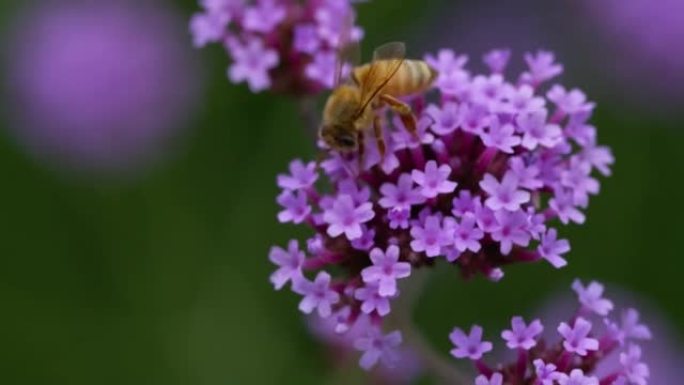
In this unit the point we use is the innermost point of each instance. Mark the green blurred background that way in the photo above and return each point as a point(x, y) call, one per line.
point(162, 278)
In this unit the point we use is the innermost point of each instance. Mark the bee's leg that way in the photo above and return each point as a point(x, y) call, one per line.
point(404, 111)
point(379, 139)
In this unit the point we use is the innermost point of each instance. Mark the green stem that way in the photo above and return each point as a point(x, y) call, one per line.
point(434, 362)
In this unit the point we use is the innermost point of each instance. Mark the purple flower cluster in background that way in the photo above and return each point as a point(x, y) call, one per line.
point(495, 164)
point(81, 95)
point(645, 37)
point(283, 45)
point(585, 340)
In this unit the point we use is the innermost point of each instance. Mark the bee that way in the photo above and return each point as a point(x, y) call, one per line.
point(351, 109)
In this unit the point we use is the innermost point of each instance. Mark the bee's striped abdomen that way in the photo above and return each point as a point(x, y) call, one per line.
point(414, 76)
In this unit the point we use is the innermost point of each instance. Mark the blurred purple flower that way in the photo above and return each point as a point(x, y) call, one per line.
point(636, 371)
point(576, 377)
point(252, 61)
point(645, 37)
point(378, 347)
point(372, 300)
point(337, 332)
point(99, 87)
point(591, 297)
point(546, 373)
point(494, 379)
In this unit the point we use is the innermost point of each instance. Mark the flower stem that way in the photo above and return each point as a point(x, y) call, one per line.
point(434, 362)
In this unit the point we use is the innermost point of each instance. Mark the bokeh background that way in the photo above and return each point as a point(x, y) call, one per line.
point(133, 244)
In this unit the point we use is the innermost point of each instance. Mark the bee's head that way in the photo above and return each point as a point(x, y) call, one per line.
point(339, 137)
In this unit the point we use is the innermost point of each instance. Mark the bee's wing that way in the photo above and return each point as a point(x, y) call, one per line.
point(348, 50)
point(387, 59)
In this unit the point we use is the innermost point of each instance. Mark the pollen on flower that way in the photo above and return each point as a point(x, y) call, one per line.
point(494, 169)
point(572, 358)
point(285, 46)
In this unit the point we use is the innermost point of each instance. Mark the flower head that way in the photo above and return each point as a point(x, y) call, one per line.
point(285, 46)
point(462, 190)
point(579, 358)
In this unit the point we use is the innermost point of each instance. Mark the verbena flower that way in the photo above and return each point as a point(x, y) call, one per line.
point(469, 190)
point(581, 346)
point(282, 45)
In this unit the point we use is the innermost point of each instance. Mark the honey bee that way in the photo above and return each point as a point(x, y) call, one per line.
point(351, 109)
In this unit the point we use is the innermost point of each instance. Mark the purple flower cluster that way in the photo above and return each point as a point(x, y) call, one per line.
point(588, 337)
point(493, 166)
point(283, 45)
point(84, 87)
